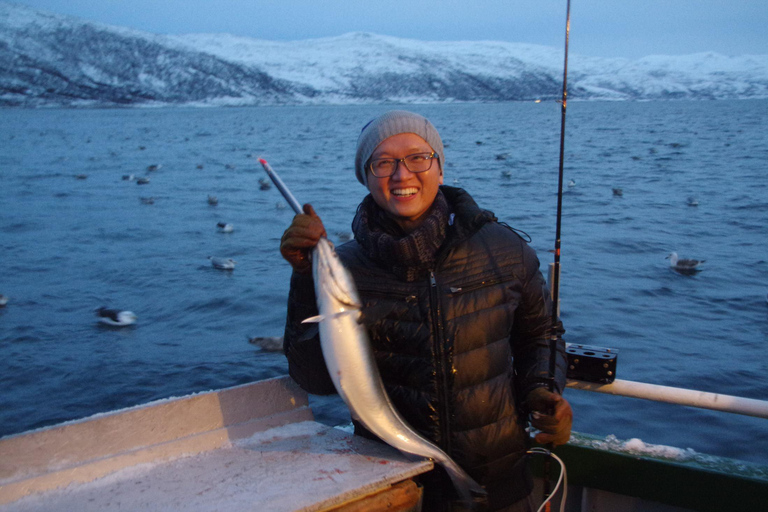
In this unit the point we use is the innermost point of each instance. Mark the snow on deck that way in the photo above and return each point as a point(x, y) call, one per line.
point(302, 466)
point(253, 447)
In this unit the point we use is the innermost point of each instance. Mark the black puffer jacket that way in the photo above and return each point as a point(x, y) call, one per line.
point(458, 350)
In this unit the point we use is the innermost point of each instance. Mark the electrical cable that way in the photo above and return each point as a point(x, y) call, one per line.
point(561, 480)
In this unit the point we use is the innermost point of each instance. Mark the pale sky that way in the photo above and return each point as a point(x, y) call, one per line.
point(601, 28)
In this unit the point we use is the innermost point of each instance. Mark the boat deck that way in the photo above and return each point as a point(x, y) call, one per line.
point(201, 453)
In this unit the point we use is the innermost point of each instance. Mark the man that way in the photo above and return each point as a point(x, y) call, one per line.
point(458, 314)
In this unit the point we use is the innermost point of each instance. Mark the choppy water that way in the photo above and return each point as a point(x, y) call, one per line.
point(70, 245)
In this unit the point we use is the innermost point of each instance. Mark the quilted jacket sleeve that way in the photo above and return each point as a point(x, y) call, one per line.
point(531, 333)
point(301, 342)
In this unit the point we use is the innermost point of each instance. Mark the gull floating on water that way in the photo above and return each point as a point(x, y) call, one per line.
point(264, 184)
point(142, 181)
point(3, 301)
point(128, 177)
point(116, 317)
point(692, 201)
point(618, 192)
point(683, 265)
point(571, 183)
point(222, 263)
point(213, 200)
point(154, 167)
point(268, 343)
point(225, 227)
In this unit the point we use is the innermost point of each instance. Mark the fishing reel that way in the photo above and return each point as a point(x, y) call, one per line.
point(591, 364)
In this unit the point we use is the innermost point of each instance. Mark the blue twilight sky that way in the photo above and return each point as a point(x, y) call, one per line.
point(603, 28)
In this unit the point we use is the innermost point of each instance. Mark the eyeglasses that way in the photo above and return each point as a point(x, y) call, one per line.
point(386, 167)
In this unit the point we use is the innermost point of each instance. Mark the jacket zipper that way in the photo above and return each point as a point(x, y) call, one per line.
point(442, 364)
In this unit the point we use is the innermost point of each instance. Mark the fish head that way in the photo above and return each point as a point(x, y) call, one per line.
point(332, 277)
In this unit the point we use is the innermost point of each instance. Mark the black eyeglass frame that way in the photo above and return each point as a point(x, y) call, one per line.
point(432, 156)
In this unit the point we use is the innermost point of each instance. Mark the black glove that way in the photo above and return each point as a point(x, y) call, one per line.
point(300, 238)
point(551, 414)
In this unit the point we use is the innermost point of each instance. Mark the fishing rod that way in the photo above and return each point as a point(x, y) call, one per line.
point(556, 267)
point(294, 204)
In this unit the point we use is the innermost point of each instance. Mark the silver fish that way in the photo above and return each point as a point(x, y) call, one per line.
point(351, 364)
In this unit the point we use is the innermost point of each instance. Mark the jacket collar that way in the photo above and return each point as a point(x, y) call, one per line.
point(469, 217)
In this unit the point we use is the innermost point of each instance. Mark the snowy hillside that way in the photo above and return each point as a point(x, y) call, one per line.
point(53, 60)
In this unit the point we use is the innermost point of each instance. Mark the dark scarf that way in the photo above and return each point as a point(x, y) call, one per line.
point(408, 255)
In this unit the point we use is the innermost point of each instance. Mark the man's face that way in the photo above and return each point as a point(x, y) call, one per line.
point(405, 196)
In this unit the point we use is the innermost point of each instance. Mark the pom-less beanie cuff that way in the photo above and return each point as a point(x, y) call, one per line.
point(389, 124)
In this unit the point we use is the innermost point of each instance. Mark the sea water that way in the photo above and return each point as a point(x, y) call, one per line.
point(75, 236)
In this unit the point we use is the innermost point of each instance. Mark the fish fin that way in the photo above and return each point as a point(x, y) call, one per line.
point(313, 319)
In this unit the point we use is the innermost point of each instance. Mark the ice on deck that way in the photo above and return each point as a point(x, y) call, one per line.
point(252, 447)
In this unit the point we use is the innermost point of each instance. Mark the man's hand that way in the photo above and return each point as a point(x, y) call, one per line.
point(551, 414)
point(300, 238)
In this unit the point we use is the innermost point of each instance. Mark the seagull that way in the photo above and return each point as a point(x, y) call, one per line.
point(224, 227)
point(683, 265)
point(213, 200)
point(3, 300)
point(264, 184)
point(115, 317)
point(128, 177)
point(268, 343)
point(506, 174)
point(343, 236)
point(142, 181)
point(692, 201)
point(154, 167)
point(618, 192)
point(571, 183)
point(222, 263)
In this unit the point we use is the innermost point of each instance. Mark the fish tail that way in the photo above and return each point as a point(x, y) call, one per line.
point(470, 492)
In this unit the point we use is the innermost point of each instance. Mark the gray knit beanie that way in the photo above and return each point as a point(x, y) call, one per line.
point(387, 125)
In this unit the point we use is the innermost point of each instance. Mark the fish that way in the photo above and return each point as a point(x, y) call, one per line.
point(352, 366)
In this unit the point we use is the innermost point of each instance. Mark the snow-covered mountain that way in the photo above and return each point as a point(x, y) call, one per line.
point(52, 60)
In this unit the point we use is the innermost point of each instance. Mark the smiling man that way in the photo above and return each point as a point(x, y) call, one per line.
point(457, 311)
